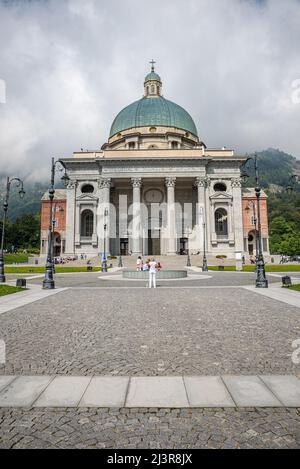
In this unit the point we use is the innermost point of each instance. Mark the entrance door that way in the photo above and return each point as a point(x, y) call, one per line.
point(124, 246)
point(56, 245)
point(183, 246)
point(154, 243)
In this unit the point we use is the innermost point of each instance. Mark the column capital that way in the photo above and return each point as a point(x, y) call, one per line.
point(136, 182)
point(104, 183)
point(170, 182)
point(202, 181)
point(72, 184)
point(236, 182)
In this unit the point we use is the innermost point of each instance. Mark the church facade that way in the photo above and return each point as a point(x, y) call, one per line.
point(154, 189)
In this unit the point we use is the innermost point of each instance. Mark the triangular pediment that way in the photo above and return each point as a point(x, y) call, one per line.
point(221, 196)
point(89, 197)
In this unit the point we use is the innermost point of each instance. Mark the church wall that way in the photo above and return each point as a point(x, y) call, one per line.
point(118, 175)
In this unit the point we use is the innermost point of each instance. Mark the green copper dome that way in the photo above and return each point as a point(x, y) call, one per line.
point(152, 76)
point(152, 111)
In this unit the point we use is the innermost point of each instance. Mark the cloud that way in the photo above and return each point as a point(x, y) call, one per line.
point(70, 66)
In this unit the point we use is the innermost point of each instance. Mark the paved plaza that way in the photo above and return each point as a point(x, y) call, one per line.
point(209, 325)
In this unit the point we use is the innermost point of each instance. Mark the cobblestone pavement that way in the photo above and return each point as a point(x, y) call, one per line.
point(99, 280)
point(150, 428)
point(151, 332)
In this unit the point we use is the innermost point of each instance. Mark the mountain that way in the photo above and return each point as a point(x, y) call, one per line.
point(275, 169)
point(30, 204)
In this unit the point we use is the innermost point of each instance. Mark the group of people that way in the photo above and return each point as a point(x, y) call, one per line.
point(150, 266)
point(145, 266)
point(63, 260)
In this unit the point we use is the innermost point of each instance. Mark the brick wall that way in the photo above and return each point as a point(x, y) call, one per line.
point(248, 214)
point(60, 215)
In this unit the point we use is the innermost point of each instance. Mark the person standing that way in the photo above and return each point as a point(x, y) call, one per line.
point(152, 273)
point(139, 264)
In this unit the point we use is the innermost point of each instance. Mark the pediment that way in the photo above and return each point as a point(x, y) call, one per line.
point(87, 197)
point(221, 196)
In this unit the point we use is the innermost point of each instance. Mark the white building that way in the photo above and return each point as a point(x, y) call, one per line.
point(154, 188)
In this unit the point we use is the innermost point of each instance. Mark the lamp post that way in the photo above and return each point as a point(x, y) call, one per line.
point(5, 208)
point(253, 206)
point(188, 262)
point(261, 280)
point(104, 259)
point(48, 282)
point(204, 262)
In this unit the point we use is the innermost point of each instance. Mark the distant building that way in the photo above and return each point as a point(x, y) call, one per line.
point(153, 189)
point(249, 204)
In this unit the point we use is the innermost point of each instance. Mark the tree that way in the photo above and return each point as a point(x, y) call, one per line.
point(284, 237)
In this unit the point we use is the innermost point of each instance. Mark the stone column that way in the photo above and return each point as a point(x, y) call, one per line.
point(77, 224)
point(236, 185)
point(104, 205)
point(200, 215)
point(70, 218)
point(209, 215)
point(136, 219)
point(171, 219)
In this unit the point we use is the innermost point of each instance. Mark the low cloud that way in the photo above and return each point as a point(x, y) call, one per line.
point(68, 67)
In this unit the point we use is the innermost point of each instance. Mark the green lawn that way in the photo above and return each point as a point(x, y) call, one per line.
point(268, 267)
point(18, 258)
point(41, 270)
point(295, 288)
point(7, 290)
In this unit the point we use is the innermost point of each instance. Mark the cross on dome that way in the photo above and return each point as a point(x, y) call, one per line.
point(152, 83)
point(152, 62)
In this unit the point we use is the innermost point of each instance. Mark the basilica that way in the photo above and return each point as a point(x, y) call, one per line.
point(154, 188)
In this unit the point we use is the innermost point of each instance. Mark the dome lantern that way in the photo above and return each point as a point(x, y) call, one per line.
point(152, 84)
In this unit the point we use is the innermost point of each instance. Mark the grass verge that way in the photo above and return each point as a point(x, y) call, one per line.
point(295, 287)
point(16, 258)
point(8, 290)
point(268, 267)
point(41, 270)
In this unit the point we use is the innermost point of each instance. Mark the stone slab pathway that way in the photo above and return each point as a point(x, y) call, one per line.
point(150, 392)
point(16, 300)
point(275, 292)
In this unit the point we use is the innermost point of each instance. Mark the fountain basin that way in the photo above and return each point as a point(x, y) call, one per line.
point(160, 275)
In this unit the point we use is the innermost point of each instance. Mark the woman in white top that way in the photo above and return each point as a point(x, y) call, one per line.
point(139, 264)
point(152, 273)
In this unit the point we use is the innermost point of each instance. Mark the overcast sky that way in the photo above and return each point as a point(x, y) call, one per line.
point(71, 65)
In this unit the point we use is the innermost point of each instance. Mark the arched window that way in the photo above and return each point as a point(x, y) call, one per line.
point(87, 223)
point(221, 222)
point(220, 187)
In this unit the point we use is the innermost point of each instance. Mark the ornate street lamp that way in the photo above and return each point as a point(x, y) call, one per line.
point(261, 280)
point(48, 282)
point(188, 262)
point(5, 208)
point(204, 263)
point(104, 258)
point(253, 206)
